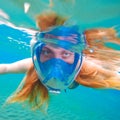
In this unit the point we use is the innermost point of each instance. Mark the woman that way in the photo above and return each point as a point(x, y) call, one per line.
point(96, 70)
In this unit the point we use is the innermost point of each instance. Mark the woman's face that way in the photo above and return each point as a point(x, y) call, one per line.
point(48, 52)
point(56, 73)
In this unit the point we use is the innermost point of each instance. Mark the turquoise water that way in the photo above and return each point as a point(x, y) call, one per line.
point(81, 103)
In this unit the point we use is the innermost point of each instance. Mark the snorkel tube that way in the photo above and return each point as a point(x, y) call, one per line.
point(56, 74)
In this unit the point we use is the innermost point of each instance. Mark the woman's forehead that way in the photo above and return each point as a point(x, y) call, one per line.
point(54, 47)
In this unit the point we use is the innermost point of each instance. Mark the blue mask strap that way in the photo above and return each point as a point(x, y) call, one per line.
point(38, 50)
point(76, 60)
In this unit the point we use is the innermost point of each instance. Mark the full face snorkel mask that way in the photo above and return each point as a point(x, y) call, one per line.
point(54, 72)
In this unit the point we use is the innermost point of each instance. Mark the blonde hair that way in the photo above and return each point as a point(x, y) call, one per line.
point(97, 40)
point(31, 89)
point(49, 19)
point(36, 93)
point(107, 58)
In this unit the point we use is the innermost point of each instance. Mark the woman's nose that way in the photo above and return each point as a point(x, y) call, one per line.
point(57, 55)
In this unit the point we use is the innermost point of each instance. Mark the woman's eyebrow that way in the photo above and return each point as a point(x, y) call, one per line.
point(68, 51)
point(46, 48)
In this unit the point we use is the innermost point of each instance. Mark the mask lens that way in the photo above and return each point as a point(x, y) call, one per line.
point(55, 66)
point(50, 51)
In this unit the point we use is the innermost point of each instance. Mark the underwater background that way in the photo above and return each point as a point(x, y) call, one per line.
point(82, 103)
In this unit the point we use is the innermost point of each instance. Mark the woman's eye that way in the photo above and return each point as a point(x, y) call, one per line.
point(66, 54)
point(45, 52)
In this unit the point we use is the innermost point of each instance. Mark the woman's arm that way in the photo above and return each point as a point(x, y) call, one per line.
point(17, 67)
